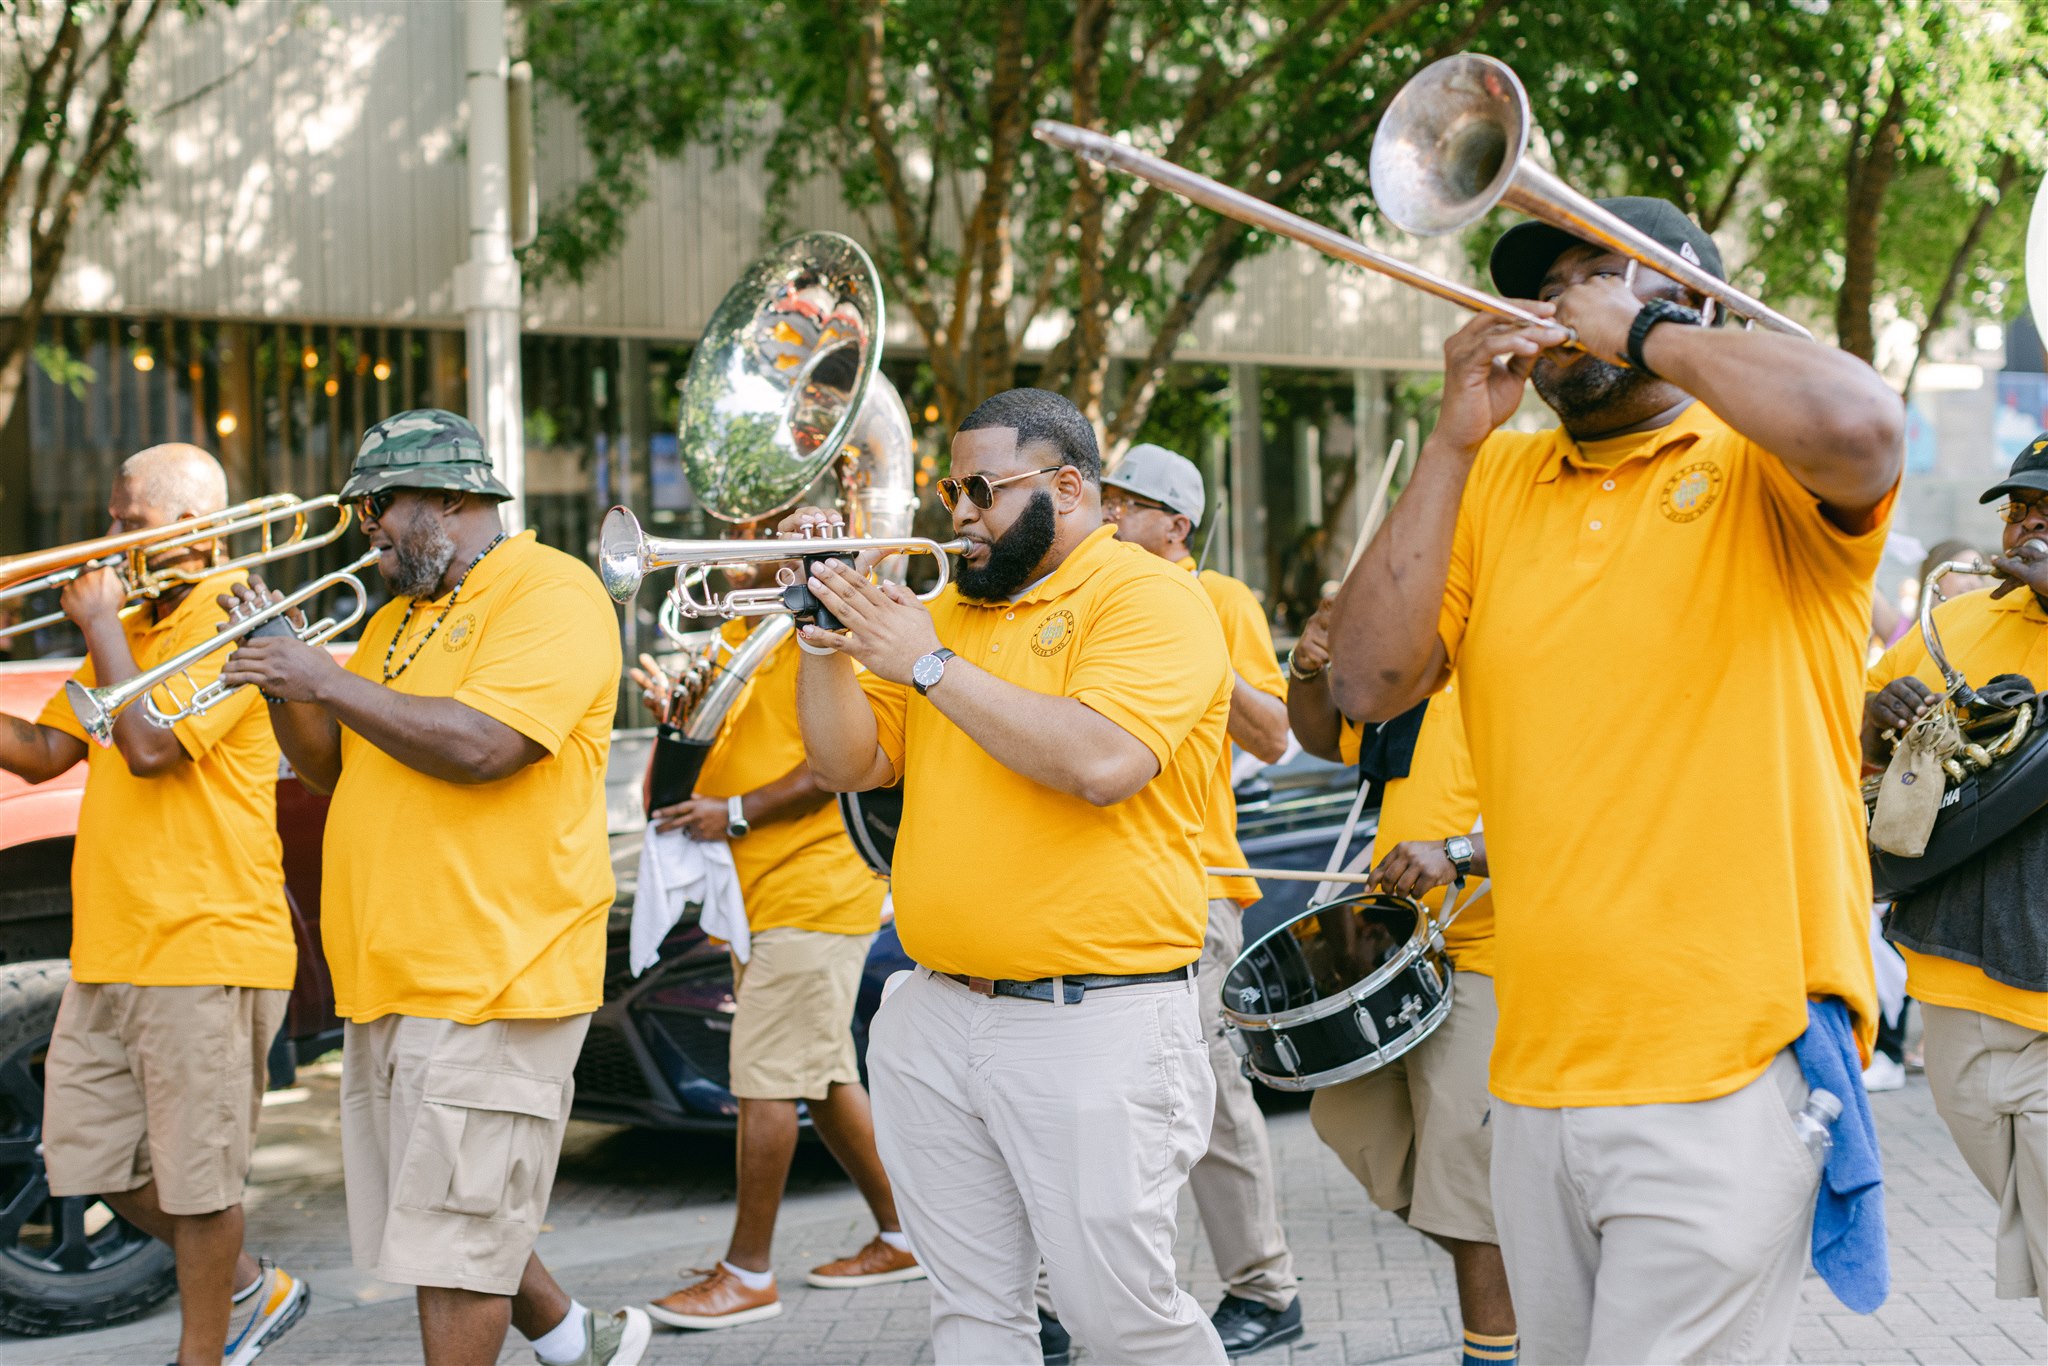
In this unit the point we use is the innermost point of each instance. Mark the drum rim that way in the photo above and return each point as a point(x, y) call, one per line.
point(1425, 1025)
point(1419, 945)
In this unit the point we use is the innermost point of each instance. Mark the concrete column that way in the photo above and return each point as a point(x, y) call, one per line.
point(487, 286)
point(1247, 481)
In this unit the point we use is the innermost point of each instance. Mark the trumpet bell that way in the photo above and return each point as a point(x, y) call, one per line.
point(776, 384)
point(621, 557)
point(92, 713)
point(1449, 144)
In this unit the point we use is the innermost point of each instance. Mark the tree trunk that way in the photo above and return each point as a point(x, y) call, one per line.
point(1959, 264)
point(15, 344)
point(1872, 161)
point(1091, 309)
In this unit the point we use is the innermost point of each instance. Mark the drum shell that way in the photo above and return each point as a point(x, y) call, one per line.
point(1328, 1030)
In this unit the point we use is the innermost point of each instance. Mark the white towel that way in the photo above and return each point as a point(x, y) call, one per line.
point(675, 871)
point(1890, 969)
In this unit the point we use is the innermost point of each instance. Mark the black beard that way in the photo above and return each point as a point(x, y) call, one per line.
point(1588, 387)
point(1014, 556)
point(424, 554)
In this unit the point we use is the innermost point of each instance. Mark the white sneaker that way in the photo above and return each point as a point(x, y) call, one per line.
point(275, 1303)
point(1884, 1074)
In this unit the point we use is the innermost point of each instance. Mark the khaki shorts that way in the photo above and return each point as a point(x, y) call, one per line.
point(792, 1031)
point(159, 1084)
point(449, 1137)
point(1415, 1132)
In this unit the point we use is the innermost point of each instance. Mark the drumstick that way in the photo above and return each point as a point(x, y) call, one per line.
point(1371, 521)
point(1291, 875)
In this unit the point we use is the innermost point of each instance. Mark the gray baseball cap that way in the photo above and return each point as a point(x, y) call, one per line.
point(1156, 473)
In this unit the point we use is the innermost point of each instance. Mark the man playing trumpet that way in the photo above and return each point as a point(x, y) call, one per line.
point(1656, 613)
point(466, 881)
point(181, 942)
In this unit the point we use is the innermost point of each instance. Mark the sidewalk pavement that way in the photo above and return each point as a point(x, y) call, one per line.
point(632, 1210)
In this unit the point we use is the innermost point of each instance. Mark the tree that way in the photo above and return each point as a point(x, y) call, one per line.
point(66, 106)
point(920, 112)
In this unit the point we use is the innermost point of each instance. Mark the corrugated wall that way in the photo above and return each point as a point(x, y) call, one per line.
point(322, 179)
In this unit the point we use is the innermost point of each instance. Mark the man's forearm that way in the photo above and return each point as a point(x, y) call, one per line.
point(36, 753)
point(838, 725)
point(1313, 716)
point(1832, 419)
point(796, 793)
point(147, 747)
point(1385, 655)
point(437, 736)
point(1258, 721)
point(311, 741)
point(1054, 741)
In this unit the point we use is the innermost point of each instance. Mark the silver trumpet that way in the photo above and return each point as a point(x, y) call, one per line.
point(97, 708)
point(626, 555)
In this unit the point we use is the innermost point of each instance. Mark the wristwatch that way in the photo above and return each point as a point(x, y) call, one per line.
point(1294, 670)
point(1653, 312)
point(1458, 849)
point(929, 669)
point(736, 818)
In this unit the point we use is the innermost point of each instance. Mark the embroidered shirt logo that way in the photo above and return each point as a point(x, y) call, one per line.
point(1053, 633)
point(1691, 491)
point(458, 633)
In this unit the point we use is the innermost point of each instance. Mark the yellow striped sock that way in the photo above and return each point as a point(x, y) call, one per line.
point(1482, 1349)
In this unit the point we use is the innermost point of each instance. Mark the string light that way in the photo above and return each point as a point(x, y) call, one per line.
point(382, 370)
point(332, 387)
point(931, 412)
point(195, 371)
point(225, 424)
point(144, 361)
point(309, 358)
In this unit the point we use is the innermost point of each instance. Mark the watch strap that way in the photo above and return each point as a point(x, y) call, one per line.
point(1648, 316)
point(736, 822)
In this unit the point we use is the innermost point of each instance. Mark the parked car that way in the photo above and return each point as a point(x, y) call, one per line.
point(655, 1057)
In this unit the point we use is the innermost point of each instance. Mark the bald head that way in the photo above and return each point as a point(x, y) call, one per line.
point(172, 481)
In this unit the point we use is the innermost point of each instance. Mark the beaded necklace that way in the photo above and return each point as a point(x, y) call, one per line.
point(390, 673)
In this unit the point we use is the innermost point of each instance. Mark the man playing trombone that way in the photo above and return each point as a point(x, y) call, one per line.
point(181, 943)
point(466, 881)
point(1656, 613)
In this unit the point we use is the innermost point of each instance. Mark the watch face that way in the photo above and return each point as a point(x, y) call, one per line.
point(928, 670)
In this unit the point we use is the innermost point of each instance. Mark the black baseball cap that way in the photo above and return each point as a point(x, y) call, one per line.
point(2029, 472)
point(1525, 252)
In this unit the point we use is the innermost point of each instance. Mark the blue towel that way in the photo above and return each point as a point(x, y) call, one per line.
point(1848, 1220)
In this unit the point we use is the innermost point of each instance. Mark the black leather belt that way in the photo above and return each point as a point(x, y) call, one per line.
point(1076, 986)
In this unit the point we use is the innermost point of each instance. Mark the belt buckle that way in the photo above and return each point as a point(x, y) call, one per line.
point(981, 986)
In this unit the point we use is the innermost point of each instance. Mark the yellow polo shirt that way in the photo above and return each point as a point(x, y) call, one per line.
point(1661, 654)
point(1983, 638)
point(1250, 643)
point(178, 880)
point(484, 901)
point(997, 876)
point(1438, 799)
point(800, 873)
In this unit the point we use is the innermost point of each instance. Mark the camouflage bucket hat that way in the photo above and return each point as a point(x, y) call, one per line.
point(425, 448)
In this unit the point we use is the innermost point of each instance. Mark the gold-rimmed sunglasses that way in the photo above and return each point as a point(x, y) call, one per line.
point(2017, 510)
point(980, 489)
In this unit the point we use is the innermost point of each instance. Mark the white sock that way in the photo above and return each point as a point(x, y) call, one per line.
point(566, 1340)
point(896, 1240)
point(752, 1280)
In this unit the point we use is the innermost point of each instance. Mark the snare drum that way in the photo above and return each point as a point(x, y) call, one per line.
point(1340, 990)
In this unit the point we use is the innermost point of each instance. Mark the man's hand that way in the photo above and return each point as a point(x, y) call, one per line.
point(1414, 867)
point(1312, 651)
point(93, 597)
point(2025, 567)
point(701, 818)
point(887, 628)
point(280, 667)
point(1601, 310)
point(1479, 391)
point(1896, 706)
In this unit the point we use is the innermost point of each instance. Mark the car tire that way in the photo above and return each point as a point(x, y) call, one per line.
point(66, 1264)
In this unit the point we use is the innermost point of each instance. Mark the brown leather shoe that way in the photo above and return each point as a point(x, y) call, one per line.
point(720, 1300)
point(875, 1264)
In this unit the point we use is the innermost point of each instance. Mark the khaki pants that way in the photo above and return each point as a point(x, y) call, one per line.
point(160, 1084)
point(1652, 1233)
point(792, 1023)
point(1018, 1129)
point(1990, 1083)
point(1415, 1132)
point(449, 1138)
point(1233, 1183)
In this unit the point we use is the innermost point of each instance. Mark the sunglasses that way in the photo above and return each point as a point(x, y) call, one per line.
point(980, 489)
point(1117, 504)
point(371, 507)
point(2017, 510)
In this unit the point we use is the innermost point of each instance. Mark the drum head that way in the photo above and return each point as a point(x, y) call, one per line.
point(1322, 953)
